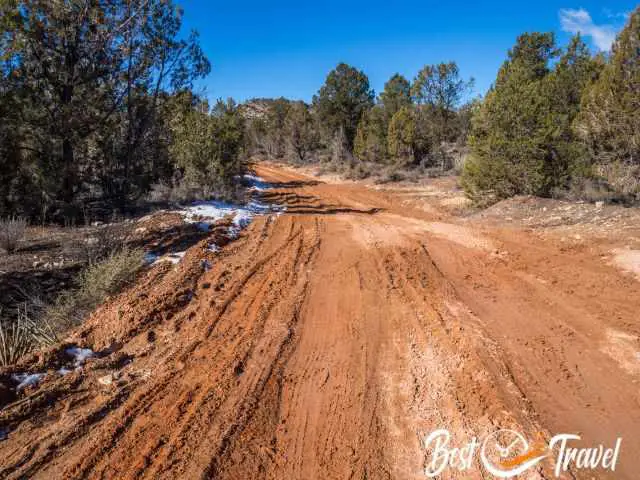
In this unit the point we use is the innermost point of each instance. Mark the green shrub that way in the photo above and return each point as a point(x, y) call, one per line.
point(95, 284)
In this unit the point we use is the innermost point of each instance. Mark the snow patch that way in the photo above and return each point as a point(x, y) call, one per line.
point(79, 355)
point(204, 213)
point(203, 226)
point(150, 258)
point(174, 257)
point(214, 210)
point(256, 183)
point(27, 379)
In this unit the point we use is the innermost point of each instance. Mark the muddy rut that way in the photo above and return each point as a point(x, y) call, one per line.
point(327, 341)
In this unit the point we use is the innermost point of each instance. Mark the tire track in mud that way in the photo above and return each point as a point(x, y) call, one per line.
point(321, 344)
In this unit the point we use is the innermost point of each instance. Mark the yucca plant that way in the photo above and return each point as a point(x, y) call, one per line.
point(40, 330)
point(15, 341)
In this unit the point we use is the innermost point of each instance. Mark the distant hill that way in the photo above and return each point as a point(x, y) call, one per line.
point(255, 108)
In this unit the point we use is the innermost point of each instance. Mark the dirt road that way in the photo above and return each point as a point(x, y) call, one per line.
point(327, 341)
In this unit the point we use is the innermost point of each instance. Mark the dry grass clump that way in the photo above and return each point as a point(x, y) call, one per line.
point(12, 230)
point(95, 284)
point(15, 342)
point(40, 325)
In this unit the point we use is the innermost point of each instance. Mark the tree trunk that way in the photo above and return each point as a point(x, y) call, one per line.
point(67, 171)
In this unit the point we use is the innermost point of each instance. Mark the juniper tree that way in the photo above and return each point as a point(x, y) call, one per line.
point(609, 122)
point(396, 94)
point(342, 100)
point(371, 137)
point(402, 136)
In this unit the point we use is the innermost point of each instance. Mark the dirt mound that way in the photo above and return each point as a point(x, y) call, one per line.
point(595, 220)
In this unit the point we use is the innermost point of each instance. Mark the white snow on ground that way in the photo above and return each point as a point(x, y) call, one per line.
point(79, 355)
point(27, 379)
point(205, 213)
point(214, 210)
point(174, 257)
point(203, 226)
point(210, 211)
point(256, 183)
point(150, 258)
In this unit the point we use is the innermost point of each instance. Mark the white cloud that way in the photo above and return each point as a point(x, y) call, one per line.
point(579, 21)
point(616, 15)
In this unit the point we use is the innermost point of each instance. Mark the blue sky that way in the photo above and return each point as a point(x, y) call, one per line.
point(286, 48)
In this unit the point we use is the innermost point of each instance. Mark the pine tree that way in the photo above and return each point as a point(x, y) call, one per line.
point(609, 122)
point(342, 100)
point(396, 94)
point(88, 83)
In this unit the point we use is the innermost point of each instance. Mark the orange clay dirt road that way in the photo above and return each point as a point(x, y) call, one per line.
point(324, 343)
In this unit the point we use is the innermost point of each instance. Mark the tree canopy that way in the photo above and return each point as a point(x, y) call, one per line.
point(342, 100)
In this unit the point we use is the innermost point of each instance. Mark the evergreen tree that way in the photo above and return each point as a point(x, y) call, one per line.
point(342, 100)
point(207, 145)
point(609, 122)
point(563, 89)
point(511, 138)
point(88, 82)
point(301, 131)
point(396, 94)
point(371, 136)
point(275, 141)
point(402, 136)
point(439, 89)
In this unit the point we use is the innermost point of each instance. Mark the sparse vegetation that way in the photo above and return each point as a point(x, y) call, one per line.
point(556, 123)
point(94, 285)
point(39, 324)
point(12, 230)
point(15, 341)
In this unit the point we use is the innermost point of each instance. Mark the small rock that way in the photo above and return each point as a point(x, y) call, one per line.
point(599, 204)
point(106, 380)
